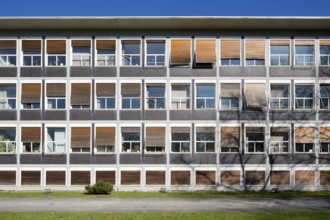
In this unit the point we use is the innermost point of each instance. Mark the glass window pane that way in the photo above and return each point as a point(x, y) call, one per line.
point(155, 48)
point(225, 62)
point(111, 103)
point(284, 60)
point(304, 49)
point(324, 60)
point(61, 103)
point(175, 147)
point(205, 91)
point(131, 48)
point(200, 147)
point(274, 60)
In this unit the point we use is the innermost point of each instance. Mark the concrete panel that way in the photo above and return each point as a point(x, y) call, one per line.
point(80, 115)
point(31, 71)
point(303, 159)
point(80, 71)
point(324, 71)
point(204, 72)
point(204, 114)
point(324, 158)
point(181, 115)
point(257, 71)
point(131, 115)
point(105, 115)
point(154, 72)
point(324, 115)
point(31, 115)
point(253, 115)
point(254, 159)
point(54, 159)
point(280, 159)
point(105, 71)
point(8, 159)
point(55, 115)
point(229, 115)
point(104, 159)
point(291, 72)
point(131, 71)
point(296, 115)
point(55, 71)
point(130, 159)
point(204, 158)
point(155, 114)
point(154, 159)
point(231, 158)
point(8, 115)
point(180, 158)
point(30, 159)
point(8, 71)
point(181, 71)
point(80, 158)
point(231, 71)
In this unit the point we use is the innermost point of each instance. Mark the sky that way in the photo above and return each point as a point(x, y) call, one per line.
point(164, 8)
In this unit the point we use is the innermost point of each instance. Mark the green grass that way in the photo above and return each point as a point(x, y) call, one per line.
point(303, 215)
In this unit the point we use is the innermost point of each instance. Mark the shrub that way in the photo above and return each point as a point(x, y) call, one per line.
point(100, 187)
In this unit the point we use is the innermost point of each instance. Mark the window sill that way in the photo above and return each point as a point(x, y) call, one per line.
point(154, 67)
point(132, 66)
point(31, 66)
point(104, 153)
point(7, 153)
point(280, 153)
point(56, 66)
point(131, 109)
point(29, 153)
point(181, 153)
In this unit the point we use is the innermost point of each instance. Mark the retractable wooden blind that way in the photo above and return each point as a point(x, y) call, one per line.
point(8, 44)
point(130, 88)
point(31, 134)
point(325, 134)
point(80, 137)
point(255, 49)
point(81, 43)
point(180, 130)
point(205, 129)
point(230, 49)
point(55, 90)
point(105, 136)
point(31, 93)
point(105, 89)
point(279, 133)
point(180, 52)
point(155, 136)
point(255, 95)
point(31, 45)
point(56, 47)
point(130, 41)
point(304, 135)
point(230, 90)
point(280, 129)
point(255, 130)
point(130, 130)
point(230, 137)
point(304, 42)
point(325, 42)
point(205, 51)
point(80, 93)
point(106, 45)
point(280, 42)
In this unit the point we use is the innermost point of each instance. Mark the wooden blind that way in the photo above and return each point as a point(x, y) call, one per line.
point(280, 42)
point(105, 89)
point(304, 177)
point(80, 93)
point(31, 93)
point(31, 45)
point(130, 88)
point(325, 134)
point(205, 129)
point(255, 95)
point(180, 130)
point(130, 177)
point(109, 176)
point(106, 45)
point(56, 47)
point(280, 178)
point(304, 42)
point(325, 42)
point(255, 49)
point(81, 43)
point(8, 44)
point(155, 136)
point(230, 177)
point(230, 137)
point(230, 49)
point(130, 129)
point(55, 177)
point(105, 136)
point(130, 41)
point(55, 90)
point(80, 177)
point(7, 177)
point(155, 177)
point(31, 134)
point(230, 90)
point(280, 129)
point(30, 177)
point(304, 135)
point(180, 178)
point(255, 129)
point(205, 177)
point(205, 51)
point(180, 52)
point(80, 137)
point(255, 177)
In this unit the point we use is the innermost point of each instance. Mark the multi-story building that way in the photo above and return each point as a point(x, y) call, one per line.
point(181, 103)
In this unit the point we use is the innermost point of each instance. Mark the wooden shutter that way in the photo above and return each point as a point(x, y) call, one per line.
point(80, 93)
point(155, 177)
point(255, 177)
point(80, 43)
point(304, 177)
point(230, 177)
point(255, 95)
point(205, 51)
point(130, 88)
point(180, 52)
point(325, 42)
point(304, 42)
point(130, 177)
point(155, 136)
point(55, 177)
point(56, 46)
point(80, 137)
point(230, 137)
point(280, 178)
point(31, 93)
point(8, 44)
point(7, 177)
point(31, 134)
point(304, 135)
point(280, 42)
point(106, 45)
point(109, 176)
point(325, 134)
point(230, 49)
point(31, 45)
point(105, 136)
point(56, 89)
point(180, 178)
point(105, 89)
point(205, 177)
point(30, 177)
point(230, 90)
point(80, 177)
point(255, 49)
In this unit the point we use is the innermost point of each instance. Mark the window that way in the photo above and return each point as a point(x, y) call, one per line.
point(81, 52)
point(325, 53)
point(130, 95)
point(7, 140)
point(80, 95)
point(56, 140)
point(80, 139)
point(180, 53)
point(205, 96)
point(279, 140)
point(56, 52)
point(155, 140)
point(205, 53)
point(180, 139)
point(155, 96)
point(155, 53)
point(255, 139)
point(230, 96)
point(131, 52)
point(7, 96)
point(279, 52)
point(304, 53)
point(131, 140)
point(56, 95)
point(180, 96)
point(205, 139)
point(255, 96)
point(325, 139)
point(106, 52)
point(31, 139)
point(304, 96)
point(106, 95)
point(31, 95)
point(304, 139)
point(254, 52)
point(230, 139)
point(31, 50)
point(105, 139)
point(325, 96)
point(230, 52)
point(7, 53)
point(279, 96)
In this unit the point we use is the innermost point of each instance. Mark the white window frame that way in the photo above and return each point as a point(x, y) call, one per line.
point(255, 142)
point(47, 141)
point(295, 54)
point(184, 83)
point(289, 141)
point(197, 83)
point(81, 54)
point(15, 142)
point(304, 98)
point(22, 53)
point(205, 142)
point(270, 54)
point(294, 139)
point(279, 98)
point(116, 135)
point(254, 60)
point(122, 141)
point(6, 99)
point(145, 138)
point(156, 98)
point(21, 142)
point(146, 52)
point(131, 98)
point(109, 55)
point(190, 140)
point(69, 135)
point(57, 55)
point(122, 54)
point(10, 55)
point(220, 47)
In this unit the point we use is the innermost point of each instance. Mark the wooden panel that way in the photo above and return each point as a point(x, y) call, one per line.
point(106, 45)
point(31, 45)
point(130, 88)
point(56, 90)
point(230, 49)
point(255, 177)
point(155, 136)
point(255, 49)
point(80, 93)
point(230, 90)
point(280, 178)
point(205, 51)
point(105, 136)
point(109, 176)
point(80, 137)
point(56, 46)
point(280, 42)
point(155, 177)
point(55, 178)
point(230, 137)
point(31, 93)
point(230, 178)
point(205, 177)
point(8, 44)
point(81, 43)
point(30, 177)
point(105, 89)
point(180, 178)
point(80, 177)
point(130, 177)
point(7, 177)
point(325, 42)
point(304, 42)
point(304, 178)
point(324, 134)
point(31, 134)
point(304, 134)
point(180, 52)
point(324, 177)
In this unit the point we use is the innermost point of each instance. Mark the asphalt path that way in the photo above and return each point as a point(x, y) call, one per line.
point(160, 204)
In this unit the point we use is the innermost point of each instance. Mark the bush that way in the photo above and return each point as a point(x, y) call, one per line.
point(100, 187)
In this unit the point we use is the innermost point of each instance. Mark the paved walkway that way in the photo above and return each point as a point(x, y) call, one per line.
point(102, 204)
